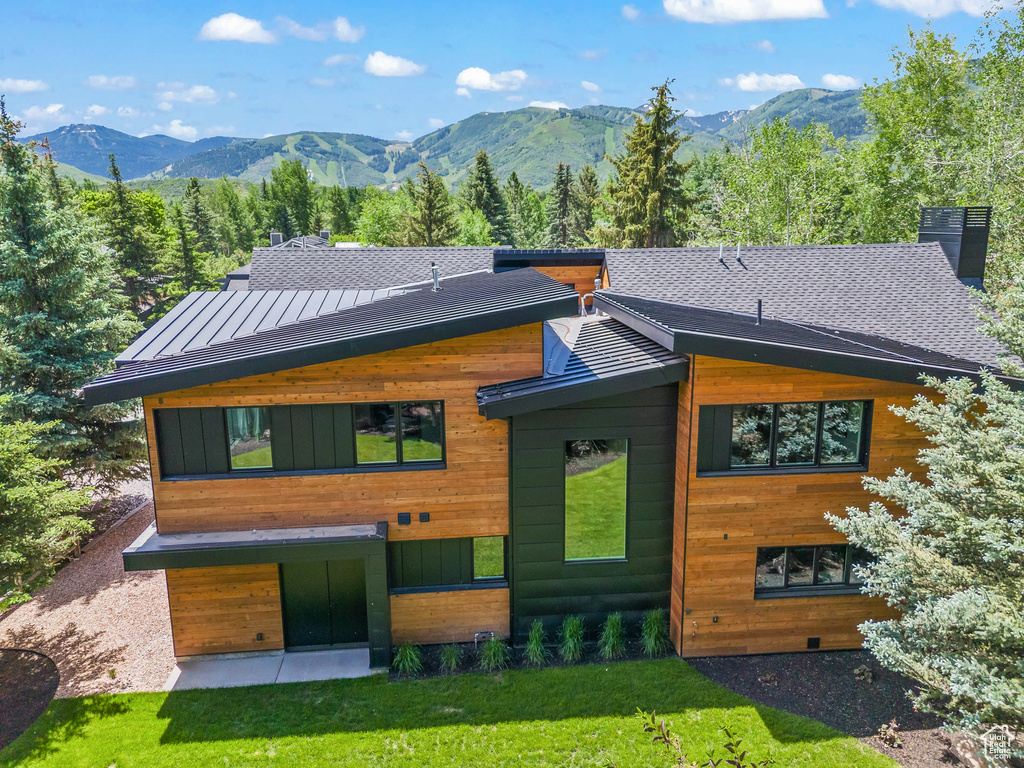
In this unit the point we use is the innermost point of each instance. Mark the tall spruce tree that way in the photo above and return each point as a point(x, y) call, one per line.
point(338, 214)
point(648, 203)
point(197, 215)
point(432, 221)
point(482, 192)
point(560, 209)
point(585, 196)
point(952, 557)
point(187, 264)
point(527, 225)
point(63, 320)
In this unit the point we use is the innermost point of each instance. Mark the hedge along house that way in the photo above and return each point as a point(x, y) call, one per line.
point(349, 452)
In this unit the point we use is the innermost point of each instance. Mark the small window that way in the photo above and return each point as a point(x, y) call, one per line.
point(489, 557)
point(249, 438)
point(800, 566)
point(399, 433)
point(842, 433)
point(595, 499)
point(771, 567)
point(422, 432)
point(831, 564)
point(751, 435)
point(859, 557)
point(796, 569)
point(375, 433)
point(797, 434)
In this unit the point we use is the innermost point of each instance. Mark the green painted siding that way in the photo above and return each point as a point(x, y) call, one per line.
point(431, 563)
point(543, 585)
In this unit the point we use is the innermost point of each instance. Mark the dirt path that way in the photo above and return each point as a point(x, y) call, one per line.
point(107, 631)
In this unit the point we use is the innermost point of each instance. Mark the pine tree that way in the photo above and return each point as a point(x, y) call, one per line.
point(63, 319)
point(187, 265)
point(432, 222)
point(952, 558)
point(481, 192)
point(198, 217)
point(339, 217)
point(137, 248)
point(647, 200)
point(292, 191)
point(560, 208)
point(584, 199)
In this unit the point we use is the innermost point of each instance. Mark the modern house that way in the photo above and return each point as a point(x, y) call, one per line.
point(355, 450)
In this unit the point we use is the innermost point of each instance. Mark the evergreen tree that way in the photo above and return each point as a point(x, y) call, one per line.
point(584, 198)
point(292, 191)
point(137, 248)
point(432, 222)
point(338, 214)
point(560, 209)
point(233, 219)
point(474, 229)
point(188, 264)
point(198, 217)
point(481, 192)
point(647, 200)
point(527, 224)
point(952, 559)
point(63, 320)
point(38, 520)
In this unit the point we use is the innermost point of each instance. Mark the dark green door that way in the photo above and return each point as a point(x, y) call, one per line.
point(324, 603)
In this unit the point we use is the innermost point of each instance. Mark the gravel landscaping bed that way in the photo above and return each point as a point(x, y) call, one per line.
point(847, 690)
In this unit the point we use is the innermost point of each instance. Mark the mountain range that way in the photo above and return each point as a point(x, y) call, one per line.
point(530, 141)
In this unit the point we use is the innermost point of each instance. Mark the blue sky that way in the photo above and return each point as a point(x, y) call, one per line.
point(401, 69)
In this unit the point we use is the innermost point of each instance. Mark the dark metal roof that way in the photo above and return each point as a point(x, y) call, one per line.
point(906, 292)
point(152, 550)
point(464, 306)
point(341, 268)
point(738, 336)
point(605, 358)
point(513, 258)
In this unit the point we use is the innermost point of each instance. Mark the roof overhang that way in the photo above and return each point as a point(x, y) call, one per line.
point(775, 342)
point(153, 551)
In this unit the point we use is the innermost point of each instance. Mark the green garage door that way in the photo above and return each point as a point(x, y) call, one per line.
point(324, 602)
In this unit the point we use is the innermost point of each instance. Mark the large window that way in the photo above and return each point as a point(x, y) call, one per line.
point(400, 433)
point(783, 436)
point(489, 557)
point(793, 570)
point(595, 499)
point(249, 438)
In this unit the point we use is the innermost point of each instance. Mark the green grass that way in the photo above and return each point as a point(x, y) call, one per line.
point(260, 458)
point(488, 557)
point(580, 716)
point(595, 520)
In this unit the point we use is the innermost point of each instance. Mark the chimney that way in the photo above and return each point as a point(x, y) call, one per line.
point(276, 238)
point(435, 275)
point(325, 234)
point(963, 235)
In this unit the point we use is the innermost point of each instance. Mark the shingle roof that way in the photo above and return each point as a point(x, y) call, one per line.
point(466, 305)
point(606, 358)
point(340, 268)
point(906, 292)
point(738, 336)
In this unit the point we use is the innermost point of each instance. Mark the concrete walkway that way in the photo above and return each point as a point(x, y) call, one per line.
point(262, 669)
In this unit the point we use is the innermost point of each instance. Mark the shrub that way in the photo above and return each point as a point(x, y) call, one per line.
point(494, 655)
point(612, 644)
point(536, 653)
point(451, 657)
point(408, 659)
point(654, 633)
point(570, 639)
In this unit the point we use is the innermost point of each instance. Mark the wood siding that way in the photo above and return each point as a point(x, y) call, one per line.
point(220, 610)
point(684, 419)
point(728, 518)
point(581, 277)
point(469, 498)
point(448, 617)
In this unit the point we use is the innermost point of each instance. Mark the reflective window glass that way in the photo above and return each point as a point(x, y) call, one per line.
point(422, 431)
point(841, 432)
point(249, 438)
point(797, 434)
point(751, 435)
point(771, 564)
point(375, 433)
point(595, 499)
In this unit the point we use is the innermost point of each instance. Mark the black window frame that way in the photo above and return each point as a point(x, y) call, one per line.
point(227, 441)
point(848, 586)
point(400, 436)
point(503, 578)
point(714, 441)
point(584, 561)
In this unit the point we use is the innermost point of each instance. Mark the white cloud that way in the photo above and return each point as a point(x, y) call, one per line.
point(180, 92)
point(344, 31)
point(96, 110)
point(128, 112)
point(47, 114)
point(481, 80)
point(755, 82)
point(381, 64)
point(116, 83)
point(513, 99)
point(318, 33)
point(435, 123)
point(840, 82)
point(630, 12)
point(405, 135)
point(549, 104)
point(178, 130)
point(463, 92)
point(593, 54)
point(231, 26)
point(725, 11)
point(339, 59)
point(321, 82)
point(14, 85)
point(937, 8)
point(765, 46)
point(589, 86)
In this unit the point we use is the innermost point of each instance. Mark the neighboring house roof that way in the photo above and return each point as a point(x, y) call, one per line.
point(906, 292)
point(340, 268)
point(739, 336)
point(304, 241)
point(592, 358)
point(237, 279)
point(465, 305)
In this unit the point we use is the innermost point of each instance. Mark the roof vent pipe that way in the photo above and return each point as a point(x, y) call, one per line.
point(758, 312)
point(435, 275)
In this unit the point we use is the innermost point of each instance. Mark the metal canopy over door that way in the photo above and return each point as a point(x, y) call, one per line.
point(324, 602)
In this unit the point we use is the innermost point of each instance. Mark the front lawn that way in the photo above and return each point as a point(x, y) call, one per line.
point(578, 716)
